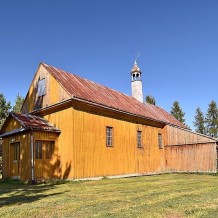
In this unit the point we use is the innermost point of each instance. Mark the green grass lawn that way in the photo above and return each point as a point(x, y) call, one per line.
point(169, 195)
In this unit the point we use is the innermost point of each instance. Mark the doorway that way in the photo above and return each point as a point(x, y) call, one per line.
point(44, 153)
point(15, 157)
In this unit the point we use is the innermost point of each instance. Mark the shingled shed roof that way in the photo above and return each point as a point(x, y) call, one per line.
point(87, 90)
point(30, 122)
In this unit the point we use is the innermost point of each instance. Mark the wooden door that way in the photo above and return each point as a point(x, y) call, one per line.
point(44, 167)
point(15, 160)
point(48, 159)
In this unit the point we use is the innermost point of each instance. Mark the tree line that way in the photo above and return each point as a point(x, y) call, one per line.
point(6, 108)
point(204, 123)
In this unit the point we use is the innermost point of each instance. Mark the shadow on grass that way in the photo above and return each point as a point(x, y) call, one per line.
point(16, 192)
point(22, 198)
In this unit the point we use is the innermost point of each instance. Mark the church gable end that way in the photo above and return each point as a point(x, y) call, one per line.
point(44, 91)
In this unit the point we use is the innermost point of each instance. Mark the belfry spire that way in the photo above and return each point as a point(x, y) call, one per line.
point(136, 83)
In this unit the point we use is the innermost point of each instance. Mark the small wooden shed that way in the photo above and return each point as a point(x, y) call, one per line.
point(23, 137)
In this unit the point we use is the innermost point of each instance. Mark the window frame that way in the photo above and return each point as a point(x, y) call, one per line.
point(139, 139)
point(49, 149)
point(38, 150)
point(160, 141)
point(16, 148)
point(109, 136)
point(41, 87)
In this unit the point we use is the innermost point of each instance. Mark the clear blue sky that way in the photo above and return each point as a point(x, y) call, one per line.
point(98, 40)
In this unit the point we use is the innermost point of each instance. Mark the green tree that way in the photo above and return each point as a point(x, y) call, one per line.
point(177, 112)
point(18, 103)
point(150, 99)
point(199, 122)
point(212, 119)
point(4, 109)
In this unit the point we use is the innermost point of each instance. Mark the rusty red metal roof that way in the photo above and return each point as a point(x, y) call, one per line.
point(30, 122)
point(33, 122)
point(87, 90)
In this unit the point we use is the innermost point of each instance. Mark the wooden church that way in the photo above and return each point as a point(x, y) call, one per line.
point(73, 128)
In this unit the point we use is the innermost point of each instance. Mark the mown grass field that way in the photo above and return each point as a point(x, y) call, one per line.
point(169, 195)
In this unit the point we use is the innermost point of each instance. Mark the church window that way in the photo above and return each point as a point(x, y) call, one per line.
point(160, 141)
point(139, 139)
point(109, 136)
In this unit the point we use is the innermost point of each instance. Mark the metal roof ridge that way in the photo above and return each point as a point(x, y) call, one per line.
point(156, 115)
point(87, 80)
point(14, 115)
point(35, 118)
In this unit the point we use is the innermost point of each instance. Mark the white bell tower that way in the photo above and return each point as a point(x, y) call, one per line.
point(136, 83)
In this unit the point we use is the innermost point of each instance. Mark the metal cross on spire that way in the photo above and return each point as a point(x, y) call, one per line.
point(135, 63)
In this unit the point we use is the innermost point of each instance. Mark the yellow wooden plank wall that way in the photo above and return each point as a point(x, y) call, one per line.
point(9, 167)
point(64, 143)
point(191, 158)
point(25, 156)
point(91, 157)
point(47, 168)
point(82, 151)
point(5, 158)
point(43, 168)
point(176, 136)
point(11, 125)
point(31, 97)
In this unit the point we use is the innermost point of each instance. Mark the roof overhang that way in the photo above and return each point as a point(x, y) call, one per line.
point(22, 130)
point(13, 132)
point(27, 123)
point(96, 108)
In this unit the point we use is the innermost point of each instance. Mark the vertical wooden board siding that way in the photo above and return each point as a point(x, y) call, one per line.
point(8, 151)
point(47, 168)
point(54, 91)
point(8, 164)
point(11, 125)
point(25, 155)
point(54, 94)
point(5, 158)
point(176, 136)
point(92, 158)
point(64, 143)
point(31, 97)
point(191, 158)
point(165, 135)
